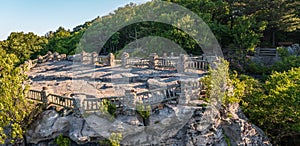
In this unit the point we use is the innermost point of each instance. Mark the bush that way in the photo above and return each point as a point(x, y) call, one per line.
point(62, 141)
point(108, 107)
point(222, 86)
point(285, 64)
point(144, 112)
point(275, 105)
point(282, 52)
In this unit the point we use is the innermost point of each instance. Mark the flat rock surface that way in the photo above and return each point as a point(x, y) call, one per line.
point(66, 77)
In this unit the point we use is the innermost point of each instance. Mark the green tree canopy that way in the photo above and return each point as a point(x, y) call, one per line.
point(23, 45)
point(13, 105)
point(275, 105)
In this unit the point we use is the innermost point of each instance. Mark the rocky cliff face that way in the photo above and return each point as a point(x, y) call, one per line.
point(207, 126)
point(210, 126)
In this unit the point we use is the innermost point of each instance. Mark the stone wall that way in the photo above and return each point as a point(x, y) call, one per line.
point(49, 57)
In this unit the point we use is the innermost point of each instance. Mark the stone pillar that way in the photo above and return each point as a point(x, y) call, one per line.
point(111, 59)
point(94, 56)
point(40, 59)
point(63, 56)
point(153, 60)
point(49, 56)
point(28, 64)
point(78, 109)
point(83, 55)
point(181, 64)
point(130, 100)
point(172, 54)
point(44, 94)
point(55, 56)
point(165, 55)
point(124, 58)
point(185, 95)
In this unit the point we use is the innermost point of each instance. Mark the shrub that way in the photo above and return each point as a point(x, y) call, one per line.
point(282, 52)
point(275, 105)
point(62, 141)
point(108, 107)
point(143, 111)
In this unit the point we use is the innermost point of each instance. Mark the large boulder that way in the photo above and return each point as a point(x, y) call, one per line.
point(48, 126)
point(51, 124)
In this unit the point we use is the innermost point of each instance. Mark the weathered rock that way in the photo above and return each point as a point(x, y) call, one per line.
point(240, 131)
point(160, 83)
point(50, 125)
point(42, 128)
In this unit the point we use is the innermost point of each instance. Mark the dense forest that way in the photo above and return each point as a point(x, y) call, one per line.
point(269, 95)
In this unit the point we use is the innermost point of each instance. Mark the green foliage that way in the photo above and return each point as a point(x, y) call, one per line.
point(111, 108)
point(283, 52)
point(63, 41)
point(62, 141)
point(227, 140)
point(144, 111)
point(115, 139)
point(222, 86)
point(105, 142)
point(13, 105)
point(23, 45)
point(108, 107)
point(275, 105)
point(286, 63)
point(245, 36)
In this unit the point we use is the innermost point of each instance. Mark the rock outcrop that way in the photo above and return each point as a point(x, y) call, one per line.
point(175, 125)
point(51, 124)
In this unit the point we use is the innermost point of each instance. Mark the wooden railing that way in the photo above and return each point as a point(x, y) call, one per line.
point(266, 52)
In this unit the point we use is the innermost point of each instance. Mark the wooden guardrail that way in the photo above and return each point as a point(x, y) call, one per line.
point(266, 52)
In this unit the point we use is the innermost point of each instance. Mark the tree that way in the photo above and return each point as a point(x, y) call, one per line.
point(23, 45)
point(274, 106)
point(58, 41)
point(13, 105)
point(281, 15)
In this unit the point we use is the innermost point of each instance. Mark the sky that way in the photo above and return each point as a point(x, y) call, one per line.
point(42, 16)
